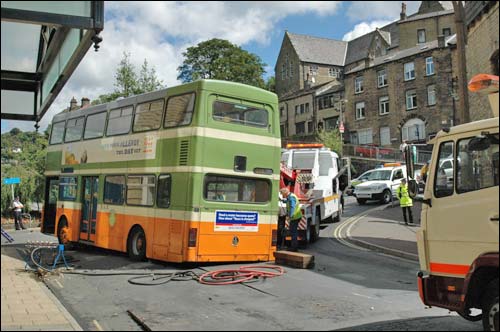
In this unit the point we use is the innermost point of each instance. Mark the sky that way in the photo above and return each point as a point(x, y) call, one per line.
point(161, 31)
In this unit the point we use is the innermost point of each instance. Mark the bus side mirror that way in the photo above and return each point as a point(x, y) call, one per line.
point(412, 188)
point(479, 143)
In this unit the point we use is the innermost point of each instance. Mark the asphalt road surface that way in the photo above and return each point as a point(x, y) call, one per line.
point(348, 289)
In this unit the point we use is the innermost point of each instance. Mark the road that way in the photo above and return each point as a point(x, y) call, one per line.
point(348, 289)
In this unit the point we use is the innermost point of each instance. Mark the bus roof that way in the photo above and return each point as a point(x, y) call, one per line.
point(226, 88)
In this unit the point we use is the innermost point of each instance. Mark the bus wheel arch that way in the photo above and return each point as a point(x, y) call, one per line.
point(63, 231)
point(136, 243)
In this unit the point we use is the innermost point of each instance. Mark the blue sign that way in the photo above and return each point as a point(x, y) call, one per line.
point(11, 180)
point(236, 221)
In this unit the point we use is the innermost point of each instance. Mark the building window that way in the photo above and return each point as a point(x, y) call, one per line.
point(411, 99)
point(446, 32)
point(429, 66)
point(297, 109)
point(282, 111)
point(309, 127)
point(421, 36)
point(291, 69)
point(365, 136)
point(331, 123)
point(382, 78)
point(409, 71)
point(413, 130)
point(383, 105)
point(358, 84)
point(307, 108)
point(283, 71)
point(313, 70)
point(385, 136)
point(334, 72)
point(301, 108)
point(431, 95)
point(300, 128)
point(360, 110)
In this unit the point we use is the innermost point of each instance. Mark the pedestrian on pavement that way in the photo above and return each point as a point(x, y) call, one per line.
point(405, 200)
point(17, 207)
point(424, 171)
point(402, 147)
point(294, 215)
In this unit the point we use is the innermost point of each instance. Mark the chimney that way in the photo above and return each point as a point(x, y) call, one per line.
point(85, 102)
point(402, 15)
point(441, 41)
point(72, 104)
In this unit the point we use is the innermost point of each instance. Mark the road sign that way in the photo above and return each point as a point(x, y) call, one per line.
point(11, 180)
point(341, 127)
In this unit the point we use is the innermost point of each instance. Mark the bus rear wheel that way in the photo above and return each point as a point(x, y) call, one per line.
point(136, 244)
point(63, 233)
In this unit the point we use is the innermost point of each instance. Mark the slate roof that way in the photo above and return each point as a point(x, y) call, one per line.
point(319, 50)
point(427, 15)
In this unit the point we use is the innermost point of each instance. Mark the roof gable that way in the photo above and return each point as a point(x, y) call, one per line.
point(318, 50)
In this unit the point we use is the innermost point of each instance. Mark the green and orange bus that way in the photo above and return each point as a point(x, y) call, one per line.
point(184, 174)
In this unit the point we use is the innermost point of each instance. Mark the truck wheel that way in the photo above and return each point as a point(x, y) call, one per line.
point(361, 201)
point(315, 229)
point(386, 197)
point(136, 244)
point(490, 307)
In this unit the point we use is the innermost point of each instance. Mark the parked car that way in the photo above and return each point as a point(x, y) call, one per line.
point(381, 184)
point(354, 182)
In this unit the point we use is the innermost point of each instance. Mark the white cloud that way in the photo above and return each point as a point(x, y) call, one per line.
point(363, 28)
point(161, 31)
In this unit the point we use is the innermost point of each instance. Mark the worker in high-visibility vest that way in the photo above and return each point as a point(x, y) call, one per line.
point(294, 214)
point(405, 200)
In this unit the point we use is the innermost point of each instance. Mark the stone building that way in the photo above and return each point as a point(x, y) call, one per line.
point(393, 83)
point(482, 50)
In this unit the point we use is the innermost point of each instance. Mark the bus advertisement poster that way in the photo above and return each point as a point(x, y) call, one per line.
point(236, 221)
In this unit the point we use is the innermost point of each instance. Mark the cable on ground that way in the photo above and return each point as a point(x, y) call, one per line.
point(241, 275)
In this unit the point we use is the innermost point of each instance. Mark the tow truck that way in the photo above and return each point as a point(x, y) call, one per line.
point(314, 174)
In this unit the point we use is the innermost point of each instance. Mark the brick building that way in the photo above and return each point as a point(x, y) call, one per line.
point(482, 50)
point(396, 82)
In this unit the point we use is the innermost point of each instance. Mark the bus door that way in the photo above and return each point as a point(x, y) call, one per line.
point(50, 206)
point(89, 208)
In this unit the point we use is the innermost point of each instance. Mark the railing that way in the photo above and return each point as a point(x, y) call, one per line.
point(381, 153)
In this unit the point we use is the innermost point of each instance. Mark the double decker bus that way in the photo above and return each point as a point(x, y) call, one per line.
point(184, 174)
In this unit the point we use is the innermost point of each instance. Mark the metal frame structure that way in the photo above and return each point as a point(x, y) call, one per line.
point(55, 28)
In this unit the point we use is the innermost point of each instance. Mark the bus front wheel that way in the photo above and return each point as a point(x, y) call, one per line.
point(136, 244)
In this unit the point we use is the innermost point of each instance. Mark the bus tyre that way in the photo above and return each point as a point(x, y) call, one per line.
point(490, 307)
point(386, 197)
point(63, 233)
point(136, 244)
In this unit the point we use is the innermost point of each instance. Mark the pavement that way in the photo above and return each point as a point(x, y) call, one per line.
point(27, 304)
point(383, 229)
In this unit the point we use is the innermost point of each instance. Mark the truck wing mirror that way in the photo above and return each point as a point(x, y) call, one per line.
point(479, 143)
point(412, 188)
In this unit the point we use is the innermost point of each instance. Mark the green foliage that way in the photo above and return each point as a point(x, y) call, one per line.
point(129, 83)
point(28, 164)
point(219, 59)
point(271, 84)
point(331, 139)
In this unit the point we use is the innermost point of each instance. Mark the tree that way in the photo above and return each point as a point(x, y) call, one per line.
point(330, 139)
point(221, 60)
point(271, 84)
point(128, 83)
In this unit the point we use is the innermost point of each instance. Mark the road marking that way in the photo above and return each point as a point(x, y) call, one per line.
point(97, 325)
point(366, 296)
point(58, 283)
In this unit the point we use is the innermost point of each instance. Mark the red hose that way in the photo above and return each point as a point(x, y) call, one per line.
point(243, 274)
